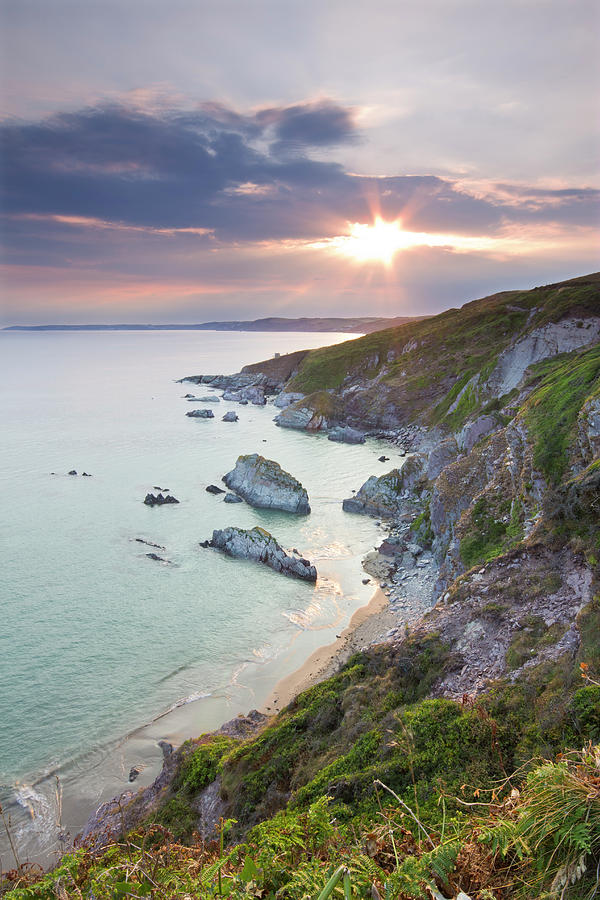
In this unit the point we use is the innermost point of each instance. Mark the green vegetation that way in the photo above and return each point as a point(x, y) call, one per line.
point(489, 535)
point(551, 411)
point(420, 368)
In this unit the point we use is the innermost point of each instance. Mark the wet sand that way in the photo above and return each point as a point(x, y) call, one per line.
point(367, 625)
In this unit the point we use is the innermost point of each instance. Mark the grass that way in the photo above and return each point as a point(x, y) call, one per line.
point(418, 369)
point(564, 383)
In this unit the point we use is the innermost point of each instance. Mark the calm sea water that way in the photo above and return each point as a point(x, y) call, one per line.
point(96, 639)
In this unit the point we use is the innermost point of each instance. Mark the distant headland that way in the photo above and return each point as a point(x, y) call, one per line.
point(360, 325)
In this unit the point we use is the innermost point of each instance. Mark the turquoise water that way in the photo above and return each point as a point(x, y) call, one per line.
point(96, 638)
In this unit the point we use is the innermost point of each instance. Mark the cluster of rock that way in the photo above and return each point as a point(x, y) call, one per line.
point(159, 499)
point(264, 484)
point(258, 545)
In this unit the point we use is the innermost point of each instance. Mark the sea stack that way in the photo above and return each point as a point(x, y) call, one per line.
point(264, 484)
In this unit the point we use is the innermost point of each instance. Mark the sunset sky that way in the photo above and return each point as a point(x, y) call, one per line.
point(192, 160)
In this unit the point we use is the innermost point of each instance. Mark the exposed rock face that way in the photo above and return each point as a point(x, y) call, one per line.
point(474, 431)
point(200, 414)
point(286, 398)
point(441, 456)
point(159, 499)
point(264, 484)
point(260, 546)
point(255, 394)
point(346, 435)
point(230, 416)
point(301, 416)
point(383, 495)
point(560, 337)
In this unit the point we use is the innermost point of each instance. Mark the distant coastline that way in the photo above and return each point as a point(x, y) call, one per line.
point(358, 325)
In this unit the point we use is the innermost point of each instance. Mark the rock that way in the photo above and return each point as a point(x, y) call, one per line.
point(243, 403)
point(558, 337)
point(286, 398)
point(441, 456)
point(382, 496)
point(415, 549)
point(156, 557)
point(260, 546)
point(366, 581)
point(200, 414)
point(155, 487)
point(346, 435)
point(159, 499)
point(72, 472)
point(230, 417)
point(383, 458)
point(212, 399)
point(150, 544)
point(264, 484)
point(301, 416)
point(232, 395)
point(232, 498)
point(213, 489)
point(134, 772)
point(474, 431)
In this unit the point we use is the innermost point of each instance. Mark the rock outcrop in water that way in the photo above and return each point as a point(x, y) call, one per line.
point(264, 484)
point(230, 416)
point(200, 414)
point(159, 499)
point(260, 546)
point(344, 434)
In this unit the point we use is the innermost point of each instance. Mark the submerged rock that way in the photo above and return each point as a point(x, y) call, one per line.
point(264, 484)
point(230, 416)
point(260, 546)
point(159, 499)
point(200, 414)
point(344, 434)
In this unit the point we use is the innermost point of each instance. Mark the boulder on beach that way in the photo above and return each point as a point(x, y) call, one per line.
point(344, 434)
point(200, 414)
point(258, 545)
point(159, 499)
point(264, 484)
point(230, 416)
point(383, 495)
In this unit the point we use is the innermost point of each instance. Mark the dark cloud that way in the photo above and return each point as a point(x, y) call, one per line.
point(217, 169)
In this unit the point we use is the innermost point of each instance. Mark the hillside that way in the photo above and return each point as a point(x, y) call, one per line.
point(459, 758)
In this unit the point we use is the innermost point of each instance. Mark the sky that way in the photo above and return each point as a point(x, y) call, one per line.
point(232, 159)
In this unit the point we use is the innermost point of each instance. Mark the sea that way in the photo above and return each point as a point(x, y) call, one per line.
point(105, 651)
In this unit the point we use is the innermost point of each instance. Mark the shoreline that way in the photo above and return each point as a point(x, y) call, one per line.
point(364, 628)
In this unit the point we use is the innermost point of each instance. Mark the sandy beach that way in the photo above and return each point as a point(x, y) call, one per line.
point(365, 627)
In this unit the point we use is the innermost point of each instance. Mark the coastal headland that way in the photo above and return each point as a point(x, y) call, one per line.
point(409, 752)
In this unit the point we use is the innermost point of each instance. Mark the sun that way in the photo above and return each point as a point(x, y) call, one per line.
point(378, 242)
